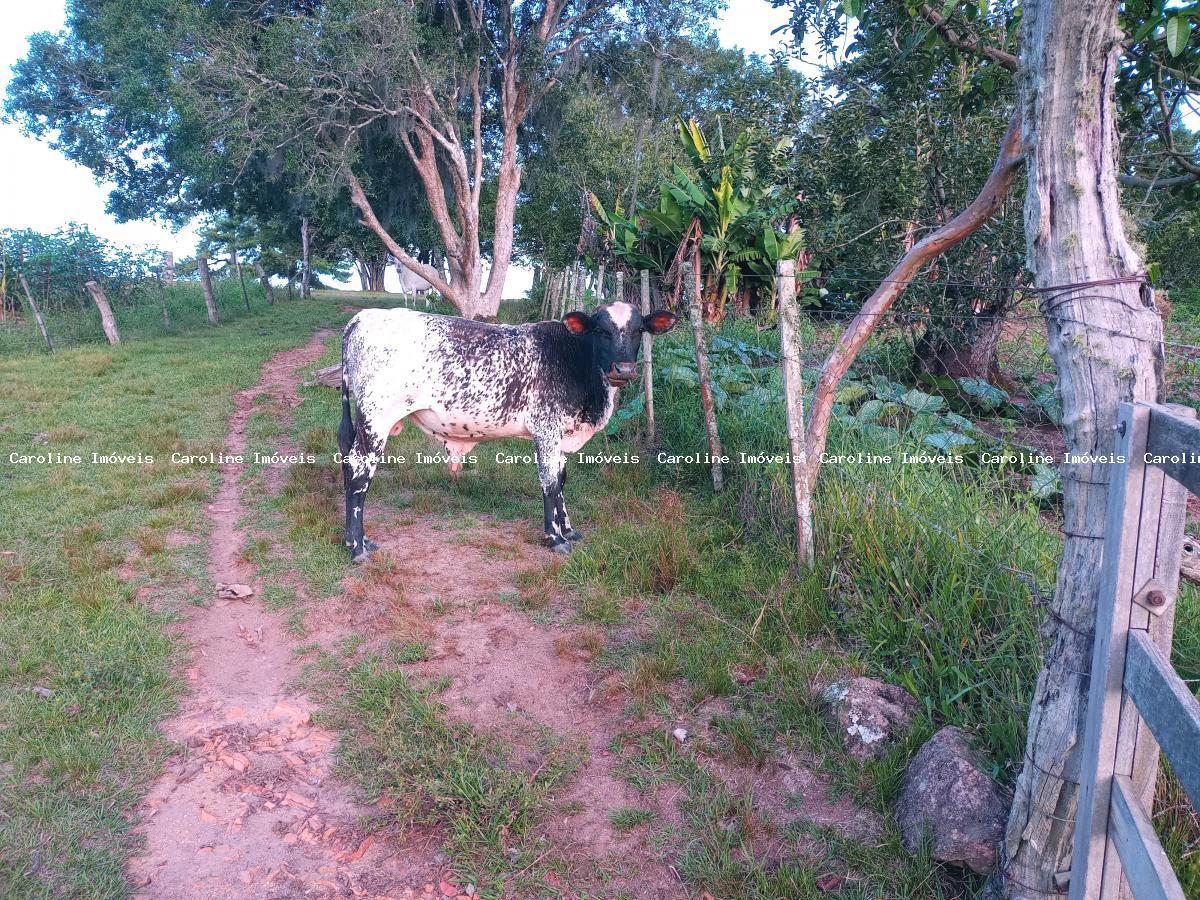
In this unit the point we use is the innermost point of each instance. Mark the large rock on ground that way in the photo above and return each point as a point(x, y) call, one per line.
point(868, 714)
point(948, 793)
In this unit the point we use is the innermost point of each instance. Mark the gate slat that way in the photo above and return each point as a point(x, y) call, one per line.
point(1168, 707)
point(1147, 868)
point(1172, 435)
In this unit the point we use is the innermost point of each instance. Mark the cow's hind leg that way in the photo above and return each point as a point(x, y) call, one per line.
point(358, 469)
point(560, 507)
point(551, 462)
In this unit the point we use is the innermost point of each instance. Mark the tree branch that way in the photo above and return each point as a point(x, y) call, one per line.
point(968, 44)
point(369, 219)
point(932, 245)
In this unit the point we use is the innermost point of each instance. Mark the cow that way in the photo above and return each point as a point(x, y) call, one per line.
point(463, 382)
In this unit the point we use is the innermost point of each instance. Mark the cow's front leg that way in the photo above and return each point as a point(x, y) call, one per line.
point(550, 463)
point(560, 509)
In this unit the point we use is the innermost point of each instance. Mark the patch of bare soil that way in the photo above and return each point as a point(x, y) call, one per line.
point(248, 809)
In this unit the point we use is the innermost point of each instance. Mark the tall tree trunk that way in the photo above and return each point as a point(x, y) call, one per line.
point(305, 277)
point(237, 265)
point(206, 286)
point(168, 274)
point(1106, 342)
point(265, 280)
point(655, 74)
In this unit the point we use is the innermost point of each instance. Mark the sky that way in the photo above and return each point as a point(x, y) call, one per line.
point(41, 189)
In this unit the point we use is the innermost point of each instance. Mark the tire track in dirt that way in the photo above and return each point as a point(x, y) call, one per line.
point(248, 807)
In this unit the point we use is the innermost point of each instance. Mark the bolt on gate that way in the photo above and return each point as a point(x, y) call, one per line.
point(1137, 702)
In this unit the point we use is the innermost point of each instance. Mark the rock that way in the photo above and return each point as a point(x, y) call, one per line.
point(868, 714)
point(948, 793)
point(680, 734)
point(234, 591)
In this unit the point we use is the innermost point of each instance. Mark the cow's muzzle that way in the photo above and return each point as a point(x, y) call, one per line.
point(621, 373)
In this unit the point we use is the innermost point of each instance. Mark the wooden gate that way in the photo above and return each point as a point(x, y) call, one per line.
point(1138, 703)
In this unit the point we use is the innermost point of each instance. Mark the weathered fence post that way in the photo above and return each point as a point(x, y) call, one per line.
point(648, 364)
point(107, 321)
point(691, 286)
point(206, 286)
point(1139, 582)
point(600, 285)
point(37, 313)
point(168, 268)
point(618, 287)
point(793, 397)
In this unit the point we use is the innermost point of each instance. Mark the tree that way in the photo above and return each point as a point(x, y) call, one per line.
point(454, 82)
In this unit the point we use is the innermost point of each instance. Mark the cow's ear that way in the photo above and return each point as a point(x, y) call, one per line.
point(659, 321)
point(578, 322)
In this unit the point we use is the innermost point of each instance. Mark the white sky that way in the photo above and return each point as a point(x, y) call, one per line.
point(41, 189)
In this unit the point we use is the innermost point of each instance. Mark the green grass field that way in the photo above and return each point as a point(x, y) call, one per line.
point(928, 577)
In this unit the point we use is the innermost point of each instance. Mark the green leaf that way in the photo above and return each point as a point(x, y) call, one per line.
point(1179, 30)
point(850, 393)
point(948, 441)
point(1045, 483)
point(986, 396)
point(919, 401)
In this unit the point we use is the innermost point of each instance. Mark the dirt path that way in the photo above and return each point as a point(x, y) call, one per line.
point(248, 809)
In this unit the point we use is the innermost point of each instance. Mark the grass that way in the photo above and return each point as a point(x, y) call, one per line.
point(931, 577)
point(89, 594)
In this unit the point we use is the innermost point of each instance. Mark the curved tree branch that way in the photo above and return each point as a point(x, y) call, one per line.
point(967, 44)
point(369, 219)
point(932, 245)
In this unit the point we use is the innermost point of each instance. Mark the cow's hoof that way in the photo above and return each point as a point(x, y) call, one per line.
point(563, 547)
point(359, 558)
point(573, 535)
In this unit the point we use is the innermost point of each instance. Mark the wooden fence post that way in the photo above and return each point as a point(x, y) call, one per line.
point(168, 268)
point(206, 285)
point(618, 287)
point(1143, 541)
point(648, 364)
point(793, 396)
point(37, 313)
point(107, 321)
point(691, 286)
point(162, 296)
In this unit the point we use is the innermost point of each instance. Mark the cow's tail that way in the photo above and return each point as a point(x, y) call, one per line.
point(346, 429)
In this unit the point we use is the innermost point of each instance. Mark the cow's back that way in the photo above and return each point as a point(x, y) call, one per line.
point(471, 378)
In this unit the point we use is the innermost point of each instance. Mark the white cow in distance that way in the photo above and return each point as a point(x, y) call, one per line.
point(412, 283)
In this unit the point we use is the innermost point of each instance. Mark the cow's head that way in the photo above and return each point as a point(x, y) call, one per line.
point(613, 334)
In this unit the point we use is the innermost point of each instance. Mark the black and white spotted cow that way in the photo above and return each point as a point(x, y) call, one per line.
point(463, 382)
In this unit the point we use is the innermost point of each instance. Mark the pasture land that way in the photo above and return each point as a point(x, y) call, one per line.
point(517, 711)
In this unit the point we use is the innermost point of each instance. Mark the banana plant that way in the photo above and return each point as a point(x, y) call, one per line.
point(773, 247)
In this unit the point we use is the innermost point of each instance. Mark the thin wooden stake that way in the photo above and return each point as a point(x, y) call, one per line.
point(162, 295)
point(793, 395)
point(648, 364)
point(691, 286)
point(37, 313)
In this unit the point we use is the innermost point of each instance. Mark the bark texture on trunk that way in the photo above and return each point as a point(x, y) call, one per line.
point(306, 275)
point(107, 321)
point(265, 280)
point(1106, 342)
point(206, 285)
